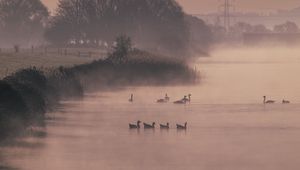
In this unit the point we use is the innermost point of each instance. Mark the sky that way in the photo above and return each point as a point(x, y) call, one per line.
point(206, 6)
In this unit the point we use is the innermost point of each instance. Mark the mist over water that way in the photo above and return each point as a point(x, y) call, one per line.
point(228, 126)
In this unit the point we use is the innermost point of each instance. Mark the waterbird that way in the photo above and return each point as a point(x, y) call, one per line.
point(182, 127)
point(185, 99)
point(161, 101)
point(285, 101)
point(268, 101)
point(131, 98)
point(148, 126)
point(133, 126)
point(180, 102)
point(164, 126)
point(165, 100)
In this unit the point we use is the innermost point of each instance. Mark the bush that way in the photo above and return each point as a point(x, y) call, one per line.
point(30, 84)
point(64, 83)
point(12, 107)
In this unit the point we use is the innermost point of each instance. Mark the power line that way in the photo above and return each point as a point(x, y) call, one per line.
point(226, 7)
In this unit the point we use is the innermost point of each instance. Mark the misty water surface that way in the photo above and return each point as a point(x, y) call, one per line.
point(228, 126)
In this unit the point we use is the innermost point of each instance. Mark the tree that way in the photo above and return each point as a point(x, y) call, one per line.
point(121, 49)
point(242, 27)
point(260, 29)
point(22, 21)
point(288, 27)
point(154, 25)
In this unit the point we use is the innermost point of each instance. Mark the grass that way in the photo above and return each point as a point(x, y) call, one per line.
point(11, 61)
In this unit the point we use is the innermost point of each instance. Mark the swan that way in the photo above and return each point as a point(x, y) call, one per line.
point(189, 99)
point(185, 99)
point(180, 102)
point(182, 127)
point(164, 126)
point(165, 100)
point(133, 126)
point(285, 101)
point(161, 101)
point(268, 101)
point(131, 98)
point(148, 126)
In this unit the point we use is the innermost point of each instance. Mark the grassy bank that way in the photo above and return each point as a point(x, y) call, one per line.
point(12, 62)
point(26, 95)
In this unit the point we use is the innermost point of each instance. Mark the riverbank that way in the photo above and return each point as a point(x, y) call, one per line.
point(26, 95)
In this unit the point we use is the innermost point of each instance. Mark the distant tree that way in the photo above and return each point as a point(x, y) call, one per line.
point(153, 24)
point(242, 27)
point(22, 21)
point(288, 27)
point(260, 29)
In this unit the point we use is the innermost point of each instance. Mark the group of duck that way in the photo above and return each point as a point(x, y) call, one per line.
point(265, 101)
point(166, 99)
point(152, 126)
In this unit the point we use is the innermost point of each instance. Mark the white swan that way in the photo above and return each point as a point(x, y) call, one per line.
point(131, 98)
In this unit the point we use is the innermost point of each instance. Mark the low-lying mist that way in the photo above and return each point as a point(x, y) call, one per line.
point(268, 52)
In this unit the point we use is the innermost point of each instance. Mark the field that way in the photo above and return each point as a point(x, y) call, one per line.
point(46, 58)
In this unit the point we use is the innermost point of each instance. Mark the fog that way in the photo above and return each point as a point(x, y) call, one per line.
point(228, 126)
point(89, 118)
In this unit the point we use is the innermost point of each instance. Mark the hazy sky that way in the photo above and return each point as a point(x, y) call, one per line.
point(203, 6)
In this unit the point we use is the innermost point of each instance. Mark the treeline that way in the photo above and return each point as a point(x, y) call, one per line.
point(26, 95)
point(22, 22)
point(237, 30)
point(154, 25)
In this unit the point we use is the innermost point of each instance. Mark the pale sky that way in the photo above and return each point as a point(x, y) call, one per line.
point(204, 6)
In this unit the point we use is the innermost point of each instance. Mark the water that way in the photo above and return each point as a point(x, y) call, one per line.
point(228, 127)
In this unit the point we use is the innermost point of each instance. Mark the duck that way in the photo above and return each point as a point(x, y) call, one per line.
point(285, 102)
point(164, 126)
point(148, 126)
point(131, 98)
point(133, 126)
point(181, 126)
point(268, 101)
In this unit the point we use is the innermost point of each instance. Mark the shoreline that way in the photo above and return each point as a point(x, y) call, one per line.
point(28, 94)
